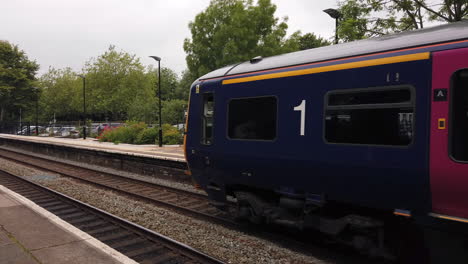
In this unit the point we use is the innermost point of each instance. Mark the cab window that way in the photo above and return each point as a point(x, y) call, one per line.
point(207, 119)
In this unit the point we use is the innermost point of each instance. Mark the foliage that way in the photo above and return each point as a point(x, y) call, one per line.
point(354, 22)
point(449, 10)
point(143, 109)
point(369, 18)
point(148, 136)
point(17, 74)
point(169, 82)
point(114, 81)
point(124, 134)
point(61, 95)
point(140, 133)
point(117, 87)
point(183, 87)
point(171, 135)
point(310, 41)
point(173, 111)
point(231, 31)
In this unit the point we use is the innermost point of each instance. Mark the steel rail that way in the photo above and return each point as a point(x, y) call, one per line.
point(137, 242)
point(186, 202)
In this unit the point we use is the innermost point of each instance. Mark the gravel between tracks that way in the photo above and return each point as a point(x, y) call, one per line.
point(227, 245)
point(140, 177)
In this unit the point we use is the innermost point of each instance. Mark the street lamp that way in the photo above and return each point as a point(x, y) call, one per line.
point(336, 15)
point(36, 89)
point(84, 104)
point(159, 95)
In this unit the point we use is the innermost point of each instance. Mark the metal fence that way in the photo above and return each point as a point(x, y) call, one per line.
point(28, 128)
point(70, 128)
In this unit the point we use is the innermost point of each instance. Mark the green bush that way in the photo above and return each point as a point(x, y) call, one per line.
point(125, 134)
point(147, 136)
point(171, 135)
point(139, 133)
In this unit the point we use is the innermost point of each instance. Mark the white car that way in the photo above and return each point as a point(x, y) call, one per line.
point(68, 131)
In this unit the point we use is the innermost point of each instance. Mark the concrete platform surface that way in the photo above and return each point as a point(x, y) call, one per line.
point(170, 152)
point(30, 234)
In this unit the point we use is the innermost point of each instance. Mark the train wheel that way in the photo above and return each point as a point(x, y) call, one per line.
point(246, 208)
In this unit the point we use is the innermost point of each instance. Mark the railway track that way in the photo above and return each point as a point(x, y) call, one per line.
point(186, 202)
point(193, 204)
point(134, 241)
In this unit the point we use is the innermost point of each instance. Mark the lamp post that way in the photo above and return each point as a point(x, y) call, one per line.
point(36, 89)
point(159, 95)
point(84, 104)
point(336, 15)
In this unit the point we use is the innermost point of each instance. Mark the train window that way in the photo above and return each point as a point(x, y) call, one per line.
point(252, 118)
point(459, 116)
point(381, 116)
point(207, 119)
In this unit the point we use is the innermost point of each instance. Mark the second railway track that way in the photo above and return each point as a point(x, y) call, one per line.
point(187, 202)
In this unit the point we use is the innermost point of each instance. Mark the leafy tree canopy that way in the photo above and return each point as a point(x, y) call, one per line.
point(118, 87)
point(173, 111)
point(310, 41)
point(113, 81)
point(61, 95)
point(17, 74)
point(369, 18)
point(169, 82)
point(231, 31)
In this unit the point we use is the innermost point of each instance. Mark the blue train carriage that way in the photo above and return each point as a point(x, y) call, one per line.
point(346, 137)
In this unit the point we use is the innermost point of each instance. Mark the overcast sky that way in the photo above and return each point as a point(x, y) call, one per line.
point(66, 33)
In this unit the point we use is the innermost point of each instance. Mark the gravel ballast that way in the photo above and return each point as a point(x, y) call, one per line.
point(220, 242)
point(130, 175)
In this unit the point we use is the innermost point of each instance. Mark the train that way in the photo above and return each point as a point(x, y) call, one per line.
point(365, 141)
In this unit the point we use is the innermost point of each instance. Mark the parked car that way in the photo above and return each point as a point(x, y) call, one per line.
point(101, 127)
point(32, 130)
point(53, 131)
point(68, 132)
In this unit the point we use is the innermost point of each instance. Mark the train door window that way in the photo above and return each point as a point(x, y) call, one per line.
point(373, 116)
point(252, 118)
point(207, 119)
point(459, 116)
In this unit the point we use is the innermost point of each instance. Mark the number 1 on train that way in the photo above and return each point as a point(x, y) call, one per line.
point(302, 108)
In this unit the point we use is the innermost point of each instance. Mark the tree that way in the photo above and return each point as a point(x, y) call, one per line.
point(310, 41)
point(369, 18)
point(17, 74)
point(61, 95)
point(448, 11)
point(173, 111)
point(184, 84)
point(231, 31)
point(169, 82)
point(114, 80)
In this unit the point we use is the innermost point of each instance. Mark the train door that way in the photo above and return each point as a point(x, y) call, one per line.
point(199, 138)
point(206, 140)
point(449, 135)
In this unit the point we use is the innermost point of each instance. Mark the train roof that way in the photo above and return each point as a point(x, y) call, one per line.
point(439, 34)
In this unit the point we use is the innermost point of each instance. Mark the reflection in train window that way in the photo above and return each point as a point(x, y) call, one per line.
point(207, 119)
point(381, 116)
point(252, 118)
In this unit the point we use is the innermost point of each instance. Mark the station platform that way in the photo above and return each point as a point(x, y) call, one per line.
point(169, 152)
point(30, 234)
